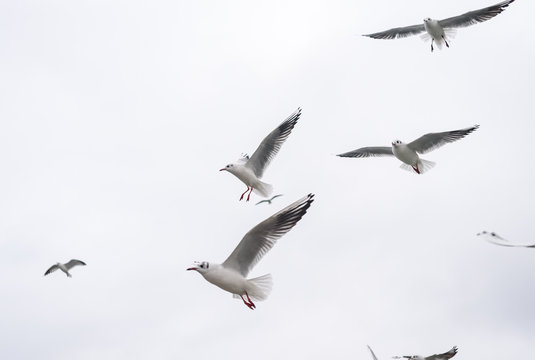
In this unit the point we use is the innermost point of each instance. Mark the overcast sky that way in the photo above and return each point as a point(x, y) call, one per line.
point(115, 117)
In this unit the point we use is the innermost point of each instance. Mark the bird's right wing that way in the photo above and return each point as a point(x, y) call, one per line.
point(474, 17)
point(73, 263)
point(496, 239)
point(369, 152)
point(373, 355)
point(444, 356)
point(51, 269)
point(432, 141)
point(260, 239)
point(400, 32)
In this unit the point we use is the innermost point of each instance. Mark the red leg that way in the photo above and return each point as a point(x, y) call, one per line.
point(249, 305)
point(416, 169)
point(241, 197)
point(248, 196)
point(250, 301)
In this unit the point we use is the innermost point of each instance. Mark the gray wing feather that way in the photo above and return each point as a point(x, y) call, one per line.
point(444, 356)
point(476, 16)
point(73, 263)
point(260, 239)
point(400, 32)
point(432, 141)
point(51, 269)
point(370, 151)
point(373, 355)
point(270, 146)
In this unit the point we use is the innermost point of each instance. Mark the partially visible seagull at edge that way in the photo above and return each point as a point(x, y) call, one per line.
point(250, 170)
point(496, 239)
point(373, 355)
point(444, 356)
point(408, 153)
point(231, 275)
point(268, 200)
point(65, 267)
point(440, 31)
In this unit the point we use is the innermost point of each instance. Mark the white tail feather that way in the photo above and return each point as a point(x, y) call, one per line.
point(259, 288)
point(262, 189)
point(423, 166)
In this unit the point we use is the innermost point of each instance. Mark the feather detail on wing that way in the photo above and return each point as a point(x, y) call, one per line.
point(260, 239)
point(370, 151)
point(270, 146)
point(73, 263)
point(444, 356)
point(399, 32)
point(474, 17)
point(432, 141)
point(51, 269)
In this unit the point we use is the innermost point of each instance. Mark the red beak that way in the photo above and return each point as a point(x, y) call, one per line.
point(191, 269)
point(222, 169)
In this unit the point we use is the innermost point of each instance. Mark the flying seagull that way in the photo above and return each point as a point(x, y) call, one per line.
point(268, 200)
point(65, 267)
point(373, 355)
point(231, 275)
point(439, 30)
point(250, 170)
point(408, 153)
point(496, 239)
point(444, 356)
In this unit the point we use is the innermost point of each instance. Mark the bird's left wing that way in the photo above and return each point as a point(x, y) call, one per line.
point(444, 356)
point(399, 32)
point(74, 263)
point(369, 151)
point(474, 17)
point(51, 269)
point(270, 146)
point(373, 355)
point(260, 239)
point(432, 141)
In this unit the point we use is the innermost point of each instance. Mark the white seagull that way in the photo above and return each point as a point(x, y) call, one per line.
point(269, 201)
point(408, 153)
point(65, 267)
point(440, 30)
point(373, 355)
point(250, 170)
point(496, 239)
point(444, 356)
point(231, 275)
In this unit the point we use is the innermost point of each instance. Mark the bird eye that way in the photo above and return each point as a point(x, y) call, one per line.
point(493, 234)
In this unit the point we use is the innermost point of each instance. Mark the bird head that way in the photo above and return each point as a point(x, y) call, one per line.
point(229, 168)
point(200, 267)
point(427, 19)
point(397, 142)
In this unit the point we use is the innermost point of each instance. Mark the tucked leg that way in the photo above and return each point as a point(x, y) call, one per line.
point(241, 197)
point(443, 38)
point(432, 44)
point(416, 168)
point(249, 305)
point(249, 299)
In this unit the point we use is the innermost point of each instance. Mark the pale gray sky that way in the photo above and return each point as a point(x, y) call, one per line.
point(116, 116)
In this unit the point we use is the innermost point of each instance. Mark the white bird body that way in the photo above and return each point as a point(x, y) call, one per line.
point(231, 275)
point(250, 170)
point(405, 153)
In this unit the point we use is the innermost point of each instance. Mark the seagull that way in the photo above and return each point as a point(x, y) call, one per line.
point(496, 239)
point(444, 356)
point(408, 153)
point(231, 275)
point(439, 30)
point(65, 267)
point(373, 355)
point(268, 200)
point(250, 170)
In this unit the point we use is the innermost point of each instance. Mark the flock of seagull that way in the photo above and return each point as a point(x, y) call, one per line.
point(231, 274)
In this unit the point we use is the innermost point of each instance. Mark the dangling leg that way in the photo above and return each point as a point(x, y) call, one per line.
point(248, 196)
point(443, 38)
point(241, 197)
point(432, 44)
point(250, 301)
point(249, 305)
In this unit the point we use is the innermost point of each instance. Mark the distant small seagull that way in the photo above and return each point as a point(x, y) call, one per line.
point(268, 200)
point(439, 30)
point(445, 356)
point(408, 153)
point(231, 275)
point(373, 355)
point(496, 239)
point(65, 267)
point(250, 170)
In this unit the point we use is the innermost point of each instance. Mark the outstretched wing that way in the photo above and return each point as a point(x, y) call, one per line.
point(373, 355)
point(399, 32)
point(270, 146)
point(261, 201)
point(496, 239)
point(260, 239)
point(444, 356)
point(474, 17)
point(51, 269)
point(370, 151)
point(73, 263)
point(432, 141)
